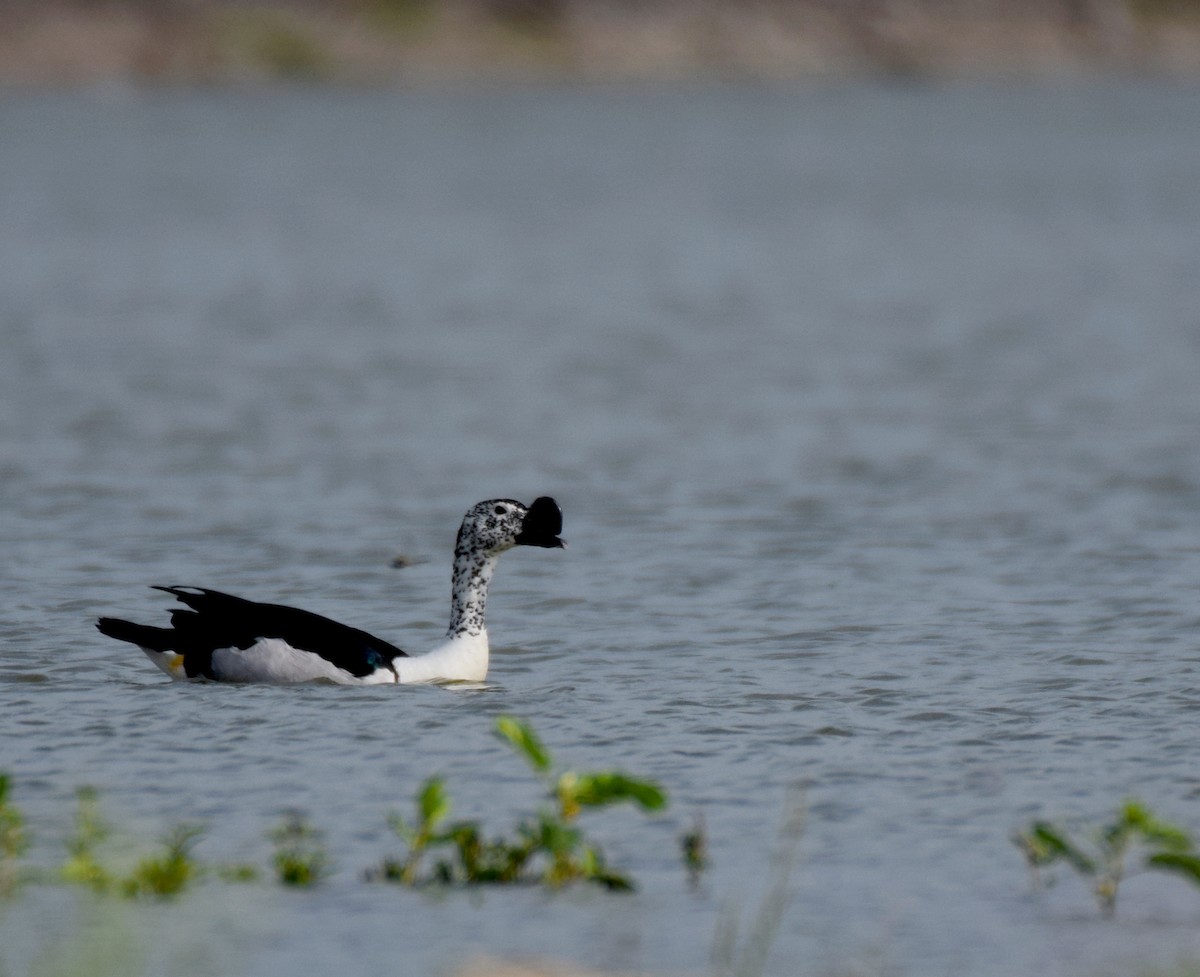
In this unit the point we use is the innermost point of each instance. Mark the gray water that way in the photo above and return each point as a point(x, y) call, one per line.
point(873, 414)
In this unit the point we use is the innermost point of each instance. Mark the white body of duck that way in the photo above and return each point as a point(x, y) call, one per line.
point(229, 639)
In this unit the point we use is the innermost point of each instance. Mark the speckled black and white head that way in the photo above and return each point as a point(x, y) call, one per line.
point(497, 525)
point(489, 529)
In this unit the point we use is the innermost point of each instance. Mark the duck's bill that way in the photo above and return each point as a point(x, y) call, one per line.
point(543, 523)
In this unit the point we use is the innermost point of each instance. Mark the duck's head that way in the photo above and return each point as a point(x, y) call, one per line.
point(496, 525)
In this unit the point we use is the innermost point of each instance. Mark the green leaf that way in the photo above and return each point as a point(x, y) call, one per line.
point(1167, 836)
point(556, 837)
point(1184, 864)
point(1034, 850)
point(611, 787)
point(1135, 814)
point(1057, 845)
point(1153, 830)
point(524, 740)
point(434, 803)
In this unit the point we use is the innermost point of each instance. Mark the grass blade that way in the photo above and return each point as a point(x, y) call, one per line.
point(524, 740)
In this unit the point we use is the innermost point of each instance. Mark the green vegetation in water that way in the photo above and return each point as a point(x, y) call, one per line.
point(160, 876)
point(169, 873)
point(548, 847)
point(239, 872)
point(300, 858)
point(83, 865)
point(13, 840)
point(693, 846)
point(1103, 855)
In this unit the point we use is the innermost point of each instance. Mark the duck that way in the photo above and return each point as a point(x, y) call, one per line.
point(222, 638)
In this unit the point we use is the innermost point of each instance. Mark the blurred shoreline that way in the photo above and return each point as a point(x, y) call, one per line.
point(435, 42)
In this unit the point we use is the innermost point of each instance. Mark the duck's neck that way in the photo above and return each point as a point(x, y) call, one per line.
point(463, 656)
point(468, 594)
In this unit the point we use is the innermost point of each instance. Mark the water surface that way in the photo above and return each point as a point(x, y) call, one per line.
point(873, 415)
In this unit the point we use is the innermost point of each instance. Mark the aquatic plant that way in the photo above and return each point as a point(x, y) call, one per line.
point(83, 866)
point(693, 846)
point(160, 876)
point(553, 829)
point(166, 875)
point(300, 858)
point(433, 806)
point(13, 840)
point(238, 872)
point(1102, 856)
point(547, 847)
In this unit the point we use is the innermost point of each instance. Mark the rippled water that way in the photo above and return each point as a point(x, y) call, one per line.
point(873, 415)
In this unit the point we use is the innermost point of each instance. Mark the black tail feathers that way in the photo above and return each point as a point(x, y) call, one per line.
point(142, 635)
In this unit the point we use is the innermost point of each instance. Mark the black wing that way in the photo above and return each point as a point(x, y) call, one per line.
point(217, 620)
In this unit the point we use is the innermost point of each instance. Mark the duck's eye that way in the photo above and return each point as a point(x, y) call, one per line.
point(500, 510)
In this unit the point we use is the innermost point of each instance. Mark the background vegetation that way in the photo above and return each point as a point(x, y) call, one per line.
point(429, 41)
